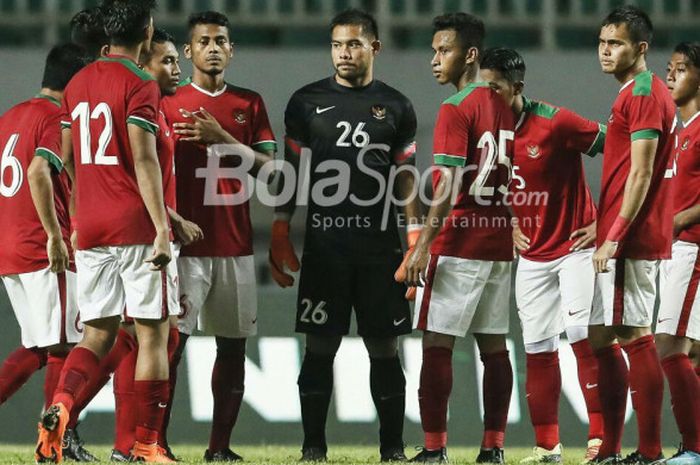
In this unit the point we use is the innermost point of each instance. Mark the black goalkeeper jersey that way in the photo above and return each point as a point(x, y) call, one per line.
point(357, 138)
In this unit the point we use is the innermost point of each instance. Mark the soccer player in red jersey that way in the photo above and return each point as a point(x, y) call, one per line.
point(554, 236)
point(678, 325)
point(217, 275)
point(465, 250)
point(110, 111)
point(634, 231)
point(36, 262)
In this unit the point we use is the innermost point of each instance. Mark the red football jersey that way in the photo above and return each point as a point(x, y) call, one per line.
point(241, 112)
point(474, 131)
point(687, 174)
point(550, 196)
point(98, 104)
point(643, 109)
point(29, 129)
point(166, 156)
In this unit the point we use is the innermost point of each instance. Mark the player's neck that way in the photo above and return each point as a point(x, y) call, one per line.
point(467, 78)
point(689, 109)
point(54, 94)
point(210, 82)
point(131, 53)
point(639, 66)
point(360, 81)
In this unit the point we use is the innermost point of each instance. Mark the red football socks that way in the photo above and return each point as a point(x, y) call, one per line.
point(125, 404)
point(17, 368)
point(543, 388)
point(80, 365)
point(434, 393)
point(497, 389)
point(227, 383)
point(685, 398)
point(54, 365)
point(613, 383)
point(124, 344)
point(647, 389)
point(151, 401)
point(587, 366)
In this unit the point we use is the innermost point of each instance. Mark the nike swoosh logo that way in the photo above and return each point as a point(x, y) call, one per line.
point(396, 323)
point(576, 313)
point(320, 110)
point(591, 386)
point(665, 319)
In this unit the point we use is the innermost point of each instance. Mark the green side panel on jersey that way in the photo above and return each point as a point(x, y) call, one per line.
point(642, 83)
point(53, 159)
point(49, 98)
point(449, 160)
point(645, 134)
point(539, 108)
point(143, 124)
point(599, 142)
point(185, 82)
point(267, 146)
point(459, 97)
point(131, 66)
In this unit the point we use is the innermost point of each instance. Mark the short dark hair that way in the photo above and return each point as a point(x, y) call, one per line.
point(691, 50)
point(125, 20)
point(206, 17)
point(638, 22)
point(62, 62)
point(506, 61)
point(356, 17)
point(160, 36)
point(87, 30)
point(470, 29)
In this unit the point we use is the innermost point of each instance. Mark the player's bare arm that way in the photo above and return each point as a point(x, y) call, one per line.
point(149, 178)
point(417, 264)
point(405, 189)
point(185, 231)
point(685, 219)
point(636, 188)
point(205, 129)
point(69, 166)
point(41, 186)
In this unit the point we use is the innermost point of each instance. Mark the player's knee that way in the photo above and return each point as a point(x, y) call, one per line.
point(431, 339)
point(628, 334)
point(381, 347)
point(576, 333)
point(547, 345)
point(491, 343)
point(322, 345)
point(668, 345)
point(230, 347)
point(59, 350)
point(600, 336)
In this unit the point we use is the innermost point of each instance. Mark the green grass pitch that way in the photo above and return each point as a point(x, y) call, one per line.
point(274, 454)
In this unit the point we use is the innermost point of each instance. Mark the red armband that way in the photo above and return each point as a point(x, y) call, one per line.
point(619, 229)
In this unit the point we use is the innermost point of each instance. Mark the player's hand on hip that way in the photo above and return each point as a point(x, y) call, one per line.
point(161, 252)
point(602, 255)
point(400, 274)
point(57, 253)
point(282, 255)
point(204, 128)
point(520, 241)
point(583, 237)
point(187, 232)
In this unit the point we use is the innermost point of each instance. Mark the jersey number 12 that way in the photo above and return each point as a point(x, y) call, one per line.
point(82, 112)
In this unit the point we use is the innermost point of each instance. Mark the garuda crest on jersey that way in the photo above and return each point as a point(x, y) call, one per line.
point(533, 151)
point(379, 112)
point(239, 116)
point(686, 143)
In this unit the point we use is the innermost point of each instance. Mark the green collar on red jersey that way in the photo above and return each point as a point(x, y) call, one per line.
point(459, 97)
point(541, 109)
point(133, 67)
point(53, 100)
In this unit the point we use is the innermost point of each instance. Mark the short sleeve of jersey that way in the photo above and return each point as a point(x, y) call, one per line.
point(451, 137)
point(142, 106)
point(579, 134)
point(263, 137)
point(65, 119)
point(49, 141)
point(295, 121)
point(644, 117)
point(405, 143)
